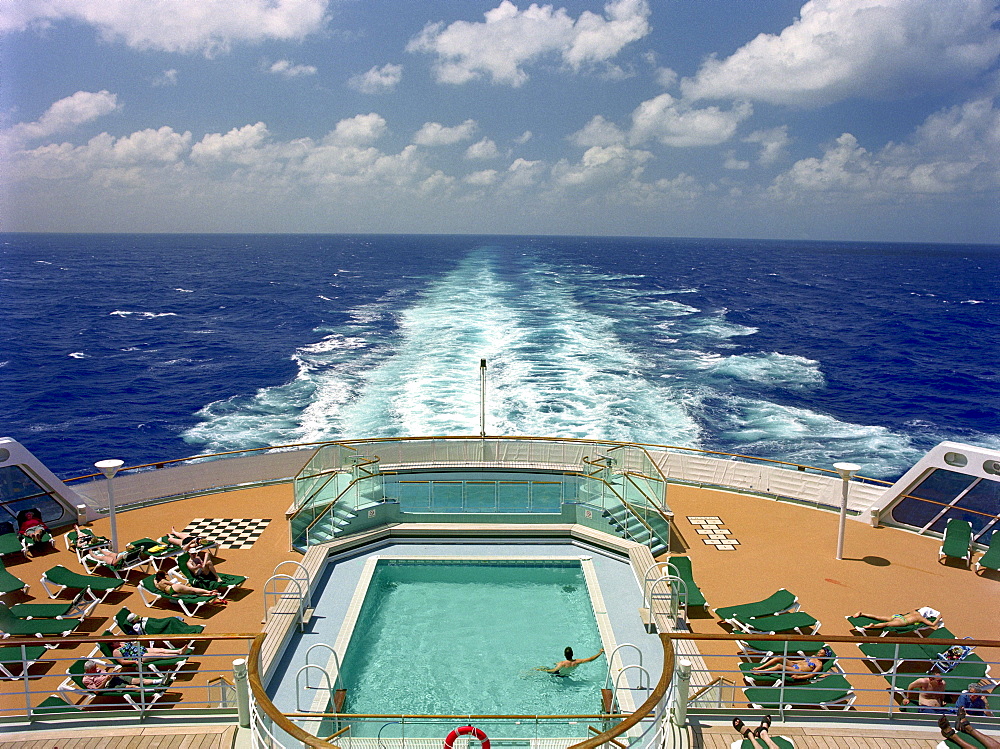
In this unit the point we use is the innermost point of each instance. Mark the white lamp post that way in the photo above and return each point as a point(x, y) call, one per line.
point(109, 468)
point(846, 471)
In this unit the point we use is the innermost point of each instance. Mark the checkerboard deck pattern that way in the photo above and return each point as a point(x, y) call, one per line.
point(713, 534)
point(229, 533)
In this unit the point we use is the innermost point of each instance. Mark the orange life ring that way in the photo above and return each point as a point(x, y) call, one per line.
point(449, 741)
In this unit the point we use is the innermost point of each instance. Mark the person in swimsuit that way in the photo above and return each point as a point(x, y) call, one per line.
point(200, 565)
point(172, 587)
point(565, 667)
point(795, 668)
point(963, 725)
point(86, 539)
point(106, 556)
point(924, 615)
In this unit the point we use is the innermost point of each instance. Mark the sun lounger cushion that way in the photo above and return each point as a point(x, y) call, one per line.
point(762, 648)
point(780, 741)
point(10, 544)
point(13, 660)
point(61, 576)
point(681, 567)
point(168, 625)
point(42, 610)
point(776, 603)
point(991, 559)
point(56, 704)
point(8, 582)
point(11, 625)
point(791, 620)
point(957, 540)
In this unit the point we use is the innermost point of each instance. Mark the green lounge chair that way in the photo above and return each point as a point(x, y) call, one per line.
point(887, 658)
point(224, 584)
point(160, 667)
point(680, 566)
point(991, 559)
point(968, 739)
point(168, 625)
point(54, 704)
point(832, 691)
point(11, 625)
point(13, 656)
point(767, 678)
point(790, 621)
point(781, 741)
point(767, 648)
point(60, 610)
point(777, 603)
point(957, 542)
point(61, 578)
point(9, 583)
point(137, 697)
point(858, 623)
point(10, 544)
point(189, 604)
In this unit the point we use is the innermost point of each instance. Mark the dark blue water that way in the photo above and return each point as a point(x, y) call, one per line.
point(156, 347)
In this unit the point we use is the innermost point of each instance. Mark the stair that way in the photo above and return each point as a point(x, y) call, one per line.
point(623, 523)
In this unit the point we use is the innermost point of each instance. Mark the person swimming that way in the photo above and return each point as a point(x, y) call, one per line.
point(565, 667)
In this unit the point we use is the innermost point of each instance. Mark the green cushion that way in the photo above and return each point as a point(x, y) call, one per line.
point(957, 538)
point(10, 544)
point(681, 566)
point(41, 610)
point(780, 622)
point(56, 704)
point(59, 575)
point(777, 602)
point(991, 559)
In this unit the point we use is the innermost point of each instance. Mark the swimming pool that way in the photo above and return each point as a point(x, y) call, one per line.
point(432, 636)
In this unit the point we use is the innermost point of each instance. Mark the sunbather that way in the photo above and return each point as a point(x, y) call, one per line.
point(97, 676)
point(85, 538)
point(174, 587)
point(923, 615)
point(760, 732)
point(798, 669)
point(963, 725)
point(106, 556)
point(133, 652)
point(201, 566)
point(32, 526)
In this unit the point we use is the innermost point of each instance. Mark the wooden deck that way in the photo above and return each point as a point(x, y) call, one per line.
point(137, 737)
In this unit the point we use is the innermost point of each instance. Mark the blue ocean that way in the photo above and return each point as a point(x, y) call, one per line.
point(153, 347)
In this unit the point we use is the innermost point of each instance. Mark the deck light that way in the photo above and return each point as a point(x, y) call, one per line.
point(846, 471)
point(109, 468)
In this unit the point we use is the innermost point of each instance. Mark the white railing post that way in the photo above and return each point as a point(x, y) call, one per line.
point(242, 684)
point(681, 692)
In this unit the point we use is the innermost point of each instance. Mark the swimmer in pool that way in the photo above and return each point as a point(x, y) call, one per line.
point(565, 667)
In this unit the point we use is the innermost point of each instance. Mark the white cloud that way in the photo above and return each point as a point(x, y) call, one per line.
point(673, 122)
point(734, 163)
point(600, 165)
point(166, 78)
point(63, 115)
point(484, 178)
point(378, 79)
point(510, 39)
point(232, 146)
point(484, 149)
point(436, 134)
point(953, 151)
point(524, 137)
point(359, 130)
point(207, 26)
point(598, 132)
point(772, 143)
point(842, 48)
point(290, 70)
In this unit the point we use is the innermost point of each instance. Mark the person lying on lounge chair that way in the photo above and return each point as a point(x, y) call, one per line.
point(85, 538)
point(97, 676)
point(201, 566)
point(32, 526)
point(173, 587)
point(795, 668)
point(133, 652)
point(923, 615)
point(963, 725)
point(106, 556)
point(760, 732)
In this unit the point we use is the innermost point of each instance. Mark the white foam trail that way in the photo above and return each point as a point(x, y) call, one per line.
point(143, 315)
point(78, 355)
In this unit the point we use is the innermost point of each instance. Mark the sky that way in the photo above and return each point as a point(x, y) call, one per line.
point(868, 120)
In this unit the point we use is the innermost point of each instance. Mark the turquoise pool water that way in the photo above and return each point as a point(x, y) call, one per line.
point(465, 637)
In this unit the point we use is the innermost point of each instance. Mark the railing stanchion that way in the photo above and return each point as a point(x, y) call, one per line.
point(681, 692)
point(242, 683)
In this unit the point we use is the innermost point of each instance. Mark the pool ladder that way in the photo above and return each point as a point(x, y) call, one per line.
point(609, 694)
point(337, 693)
point(297, 588)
